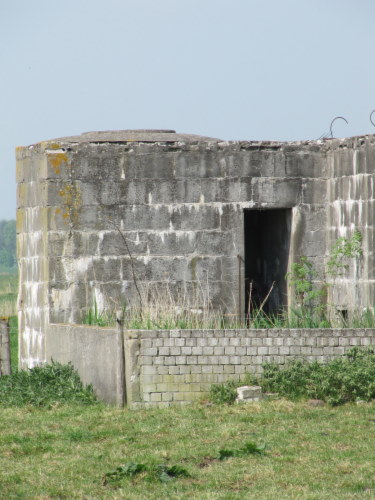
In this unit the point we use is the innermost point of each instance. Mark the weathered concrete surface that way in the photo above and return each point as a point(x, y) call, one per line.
point(96, 354)
point(351, 205)
point(179, 201)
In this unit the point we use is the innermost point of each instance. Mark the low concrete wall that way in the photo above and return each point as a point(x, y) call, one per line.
point(144, 368)
point(178, 366)
point(96, 353)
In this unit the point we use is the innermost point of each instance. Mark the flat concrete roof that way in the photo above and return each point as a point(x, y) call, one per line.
point(135, 136)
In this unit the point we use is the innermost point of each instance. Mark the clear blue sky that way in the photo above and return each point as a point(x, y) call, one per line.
point(233, 69)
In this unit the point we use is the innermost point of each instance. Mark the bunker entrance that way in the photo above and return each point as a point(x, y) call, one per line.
point(267, 239)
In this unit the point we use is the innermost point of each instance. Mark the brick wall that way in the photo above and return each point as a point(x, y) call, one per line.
point(179, 366)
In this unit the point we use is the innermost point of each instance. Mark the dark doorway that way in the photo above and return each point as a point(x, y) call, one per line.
point(267, 239)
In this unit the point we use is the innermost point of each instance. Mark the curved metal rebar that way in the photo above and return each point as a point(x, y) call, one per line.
point(372, 112)
point(337, 118)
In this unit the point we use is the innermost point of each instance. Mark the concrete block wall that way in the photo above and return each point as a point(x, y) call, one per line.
point(179, 366)
point(143, 368)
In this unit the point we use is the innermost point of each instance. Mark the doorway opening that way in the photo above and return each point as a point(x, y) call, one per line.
point(267, 240)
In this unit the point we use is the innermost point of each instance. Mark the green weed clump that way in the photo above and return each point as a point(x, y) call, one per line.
point(249, 448)
point(45, 386)
point(224, 393)
point(347, 378)
point(98, 318)
point(161, 472)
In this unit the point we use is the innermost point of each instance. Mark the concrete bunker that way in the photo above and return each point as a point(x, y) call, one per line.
point(188, 206)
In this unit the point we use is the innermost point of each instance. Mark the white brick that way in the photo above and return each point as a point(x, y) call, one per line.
point(202, 342)
point(262, 351)
point(235, 341)
point(170, 360)
point(219, 350)
point(223, 341)
point(180, 360)
point(228, 369)
point(149, 351)
point(174, 370)
point(160, 360)
point(175, 351)
point(185, 369)
point(202, 360)
point(223, 360)
point(196, 351)
point(207, 369)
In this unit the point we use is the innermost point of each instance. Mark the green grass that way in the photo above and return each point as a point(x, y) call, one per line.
point(303, 452)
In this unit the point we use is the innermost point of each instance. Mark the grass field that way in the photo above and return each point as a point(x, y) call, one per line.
point(76, 451)
point(310, 453)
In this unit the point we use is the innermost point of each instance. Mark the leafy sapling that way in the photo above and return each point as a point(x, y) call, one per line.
point(342, 251)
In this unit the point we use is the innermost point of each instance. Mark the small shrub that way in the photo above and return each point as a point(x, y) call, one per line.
point(224, 393)
point(45, 386)
point(166, 473)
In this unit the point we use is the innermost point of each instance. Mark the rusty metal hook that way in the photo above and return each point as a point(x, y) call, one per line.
point(372, 112)
point(337, 118)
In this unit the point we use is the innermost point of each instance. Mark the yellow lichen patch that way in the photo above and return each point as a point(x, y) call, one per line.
point(56, 159)
point(72, 201)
